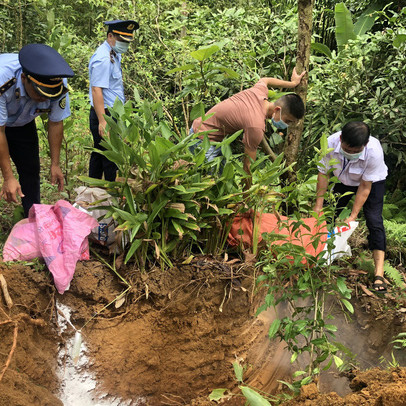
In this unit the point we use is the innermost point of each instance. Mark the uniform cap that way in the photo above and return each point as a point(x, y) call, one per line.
point(124, 28)
point(45, 68)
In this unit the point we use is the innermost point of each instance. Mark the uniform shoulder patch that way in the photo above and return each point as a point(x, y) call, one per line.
point(7, 85)
point(62, 103)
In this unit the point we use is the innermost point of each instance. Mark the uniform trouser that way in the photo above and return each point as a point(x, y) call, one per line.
point(99, 164)
point(24, 151)
point(212, 153)
point(372, 211)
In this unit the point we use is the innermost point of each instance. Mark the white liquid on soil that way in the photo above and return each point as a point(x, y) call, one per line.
point(78, 384)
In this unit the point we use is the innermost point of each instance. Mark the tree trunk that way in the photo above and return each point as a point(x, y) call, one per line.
point(305, 12)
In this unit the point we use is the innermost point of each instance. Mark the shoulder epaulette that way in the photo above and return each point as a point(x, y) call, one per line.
point(43, 111)
point(7, 85)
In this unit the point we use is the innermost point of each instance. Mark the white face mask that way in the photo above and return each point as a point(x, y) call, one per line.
point(121, 47)
point(350, 157)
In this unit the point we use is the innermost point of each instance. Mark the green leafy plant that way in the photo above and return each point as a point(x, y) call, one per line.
point(305, 281)
point(252, 395)
point(168, 201)
point(393, 363)
point(399, 341)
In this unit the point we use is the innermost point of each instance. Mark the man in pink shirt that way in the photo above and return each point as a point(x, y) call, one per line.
point(248, 111)
point(357, 161)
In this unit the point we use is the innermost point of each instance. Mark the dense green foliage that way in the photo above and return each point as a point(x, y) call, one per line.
point(168, 201)
point(364, 80)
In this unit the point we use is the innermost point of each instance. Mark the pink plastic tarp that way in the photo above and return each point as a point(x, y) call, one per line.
point(58, 233)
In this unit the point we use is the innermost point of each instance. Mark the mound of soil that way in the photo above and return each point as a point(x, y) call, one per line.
point(373, 387)
point(27, 335)
point(172, 341)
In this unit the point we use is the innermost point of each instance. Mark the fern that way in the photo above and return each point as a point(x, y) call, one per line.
point(394, 275)
point(389, 210)
point(396, 238)
point(366, 263)
point(394, 208)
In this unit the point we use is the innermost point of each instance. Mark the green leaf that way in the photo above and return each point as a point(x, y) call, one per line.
point(323, 49)
point(348, 305)
point(228, 140)
point(176, 214)
point(178, 228)
point(129, 198)
point(319, 341)
point(293, 358)
point(134, 246)
point(306, 381)
point(399, 40)
point(157, 207)
point(338, 361)
point(260, 309)
point(344, 25)
point(276, 94)
point(366, 20)
point(273, 329)
point(298, 373)
point(189, 66)
point(230, 73)
point(217, 394)
point(197, 111)
point(324, 144)
point(327, 367)
point(116, 157)
point(165, 130)
point(118, 107)
point(342, 287)
point(203, 53)
point(125, 215)
point(136, 94)
point(50, 19)
point(238, 370)
point(151, 188)
point(190, 225)
point(253, 397)
point(98, 182)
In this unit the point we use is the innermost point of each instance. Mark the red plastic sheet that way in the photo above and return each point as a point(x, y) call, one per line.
point(242, 231)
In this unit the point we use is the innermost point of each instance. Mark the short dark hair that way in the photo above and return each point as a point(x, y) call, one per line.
point(293, 103)
point(355, 134)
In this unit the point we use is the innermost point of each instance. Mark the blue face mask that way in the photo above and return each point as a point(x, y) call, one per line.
point(281, 125)
point(121, 47)
point(350, 157)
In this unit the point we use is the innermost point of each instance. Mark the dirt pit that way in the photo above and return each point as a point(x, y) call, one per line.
point(171, 342)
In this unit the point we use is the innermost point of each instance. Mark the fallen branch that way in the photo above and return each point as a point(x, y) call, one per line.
point(7, 297)
point(267, 149)
point(13, 347)
point(365, 290)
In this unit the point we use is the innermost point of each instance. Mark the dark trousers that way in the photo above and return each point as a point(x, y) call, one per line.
point(24, 151)
point(372, 211)
point(99, 164)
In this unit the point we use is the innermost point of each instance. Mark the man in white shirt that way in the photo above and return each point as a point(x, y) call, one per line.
point(357, 161)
